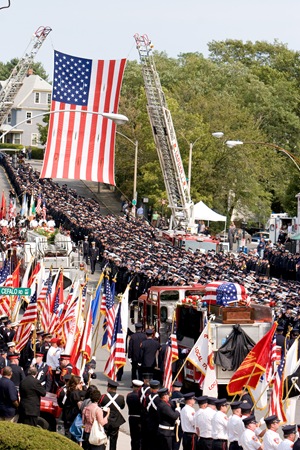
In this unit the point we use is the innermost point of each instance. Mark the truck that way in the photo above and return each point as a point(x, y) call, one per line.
point(159, 307)
point(281, 222)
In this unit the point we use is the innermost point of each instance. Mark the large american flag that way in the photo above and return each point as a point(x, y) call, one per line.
point(170, 357)
point(117, 358)
point(222, 293)
point(80, 145)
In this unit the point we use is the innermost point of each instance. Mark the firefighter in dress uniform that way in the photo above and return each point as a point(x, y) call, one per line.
point(134, 415)
point(219, 426)
point(248, 439)
point(151, 417)
point(94, 256)
point(271, 439)
point(43, 372)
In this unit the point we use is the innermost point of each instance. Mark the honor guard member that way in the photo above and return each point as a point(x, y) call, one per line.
point(151, 417)
point(43, 373)
point(64, 368)
point(289, 434)
point(205, 425)
point(18, 374)
point(280, 338)
point(202, 403)
point(143, 394)
point(235, 426)
point(94, 256)
point(134, 415)
point(167, 418)
point(271, 439)
point(148, 353)
point(219, 426)
point(248, 439)
point(116, 403)
point(187, 420)
point(86, 249)
point(46, 345)
point(177, 398)
point(134, 350)
point(39, 340)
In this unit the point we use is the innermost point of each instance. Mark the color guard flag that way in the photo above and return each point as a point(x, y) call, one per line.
point(81, 145)
point(198, 355)
point(253, 366)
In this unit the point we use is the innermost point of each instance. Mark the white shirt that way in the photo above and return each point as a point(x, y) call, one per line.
point(235, 428)
point(198, 413)
point(187, 419)
point(53, 356)
point(271, 440)
point(219, 426)
point(286, 444)
point(204, 422)
point(249, 440)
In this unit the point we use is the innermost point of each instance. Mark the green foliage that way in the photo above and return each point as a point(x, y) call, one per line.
point(6, 69)
point(23, 437)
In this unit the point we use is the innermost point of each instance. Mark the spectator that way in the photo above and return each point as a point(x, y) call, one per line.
point(8, 396)
point(31, 391)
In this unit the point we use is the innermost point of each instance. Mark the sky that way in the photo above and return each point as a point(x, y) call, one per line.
point(104, 30)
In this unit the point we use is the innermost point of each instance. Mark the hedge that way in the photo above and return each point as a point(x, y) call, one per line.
point(14, 436)
point(36, 153)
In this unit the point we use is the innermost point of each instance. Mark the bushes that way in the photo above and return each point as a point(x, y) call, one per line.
point(15, 436)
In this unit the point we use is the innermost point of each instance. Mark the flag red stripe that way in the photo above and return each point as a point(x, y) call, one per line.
point(71, 117)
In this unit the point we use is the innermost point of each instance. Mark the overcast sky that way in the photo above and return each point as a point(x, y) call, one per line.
point(104, 29)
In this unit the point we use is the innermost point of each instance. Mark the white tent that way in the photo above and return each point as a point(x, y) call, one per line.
point(203, 212)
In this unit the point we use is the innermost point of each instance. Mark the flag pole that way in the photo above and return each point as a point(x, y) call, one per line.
point(262, 393)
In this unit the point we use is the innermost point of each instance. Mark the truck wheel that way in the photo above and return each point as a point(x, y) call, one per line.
point(42, 423)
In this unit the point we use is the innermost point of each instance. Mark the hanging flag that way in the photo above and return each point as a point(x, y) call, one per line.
point(210, 384)
point(3, 207)
point(253, 366)
point(79, 145)
point(117, 358)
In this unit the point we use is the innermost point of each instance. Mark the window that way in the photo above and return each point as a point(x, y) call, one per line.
point(28, 117)
point(34, 138)
point(16, 138)
point(8, 120)
point(36, 97)
point(48, 99)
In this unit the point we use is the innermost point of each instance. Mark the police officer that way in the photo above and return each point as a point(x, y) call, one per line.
point(94, 256)
point(116, 402)
point(219, 426)
point(148, 353)
point(134, 350)
point(134, 415)
point(271, 439)
point(167, 418)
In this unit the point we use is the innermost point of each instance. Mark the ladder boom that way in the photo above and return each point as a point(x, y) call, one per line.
point(19, 72)
point(165, 139)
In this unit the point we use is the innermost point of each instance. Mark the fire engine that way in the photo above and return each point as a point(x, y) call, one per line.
point(158, 308)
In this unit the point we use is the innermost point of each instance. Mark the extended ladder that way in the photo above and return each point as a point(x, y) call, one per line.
point(19, 72)
point(165, 139)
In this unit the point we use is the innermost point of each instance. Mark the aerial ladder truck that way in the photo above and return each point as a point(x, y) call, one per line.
point(166, 143)
point(19, 72)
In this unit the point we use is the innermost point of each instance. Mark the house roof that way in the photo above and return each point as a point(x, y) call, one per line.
point(31, 83)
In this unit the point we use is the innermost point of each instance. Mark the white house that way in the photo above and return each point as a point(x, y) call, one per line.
point(33, 98)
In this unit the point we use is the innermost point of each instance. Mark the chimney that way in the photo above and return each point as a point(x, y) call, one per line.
point(29, 72)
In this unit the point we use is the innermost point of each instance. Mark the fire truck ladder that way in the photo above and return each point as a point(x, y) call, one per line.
point(165, 139)
point(19, 72)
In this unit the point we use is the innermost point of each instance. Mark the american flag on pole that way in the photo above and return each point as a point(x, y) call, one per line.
point(44, 210)
point(221, 293)
point(170, 357)
point(28, 319)
point(110, 314)
point(276, 405)
point(117, 358)
point(80, 145)
point(39, 204)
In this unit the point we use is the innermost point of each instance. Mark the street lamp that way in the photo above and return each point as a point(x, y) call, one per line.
point(295, 160)
point(119, 119)
point(134, 196)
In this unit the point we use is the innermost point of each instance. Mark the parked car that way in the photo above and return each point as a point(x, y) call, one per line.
point(257, 236)
point(223, 237)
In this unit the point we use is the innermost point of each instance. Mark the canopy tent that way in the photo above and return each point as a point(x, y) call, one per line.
point(203, 212)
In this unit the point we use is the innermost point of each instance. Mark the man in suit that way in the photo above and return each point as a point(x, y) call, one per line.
point(115, 402)
point(31, 391)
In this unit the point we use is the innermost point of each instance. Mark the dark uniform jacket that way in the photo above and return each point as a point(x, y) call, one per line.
point(134, 404)
point(17, 374)
point(148, 350)
point(134, 345)
point(166, 417)
point(115, 419)
point(31, 391)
